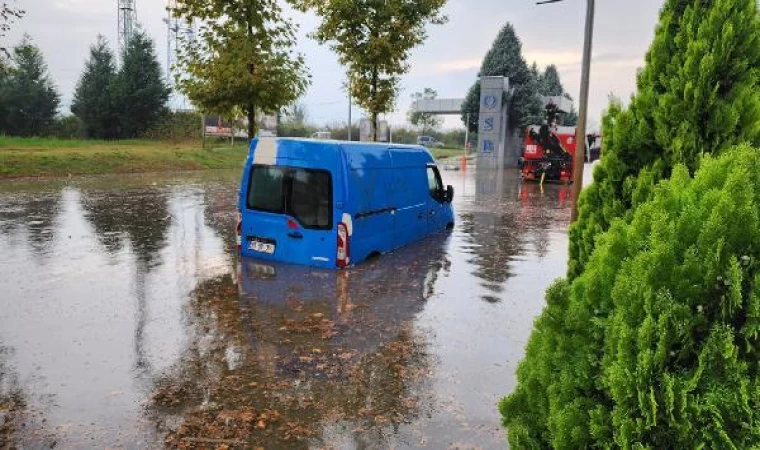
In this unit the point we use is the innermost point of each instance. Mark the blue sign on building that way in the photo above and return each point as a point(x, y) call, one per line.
point(488, 146)
point(490, 101)
point(488, 124)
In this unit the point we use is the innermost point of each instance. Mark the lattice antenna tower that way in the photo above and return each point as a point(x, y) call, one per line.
point(127, 22)
point(178, 32)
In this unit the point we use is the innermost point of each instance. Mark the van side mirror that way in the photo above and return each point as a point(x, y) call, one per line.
point(449, 193)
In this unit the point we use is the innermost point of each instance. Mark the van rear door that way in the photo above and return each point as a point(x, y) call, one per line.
point(289, 215)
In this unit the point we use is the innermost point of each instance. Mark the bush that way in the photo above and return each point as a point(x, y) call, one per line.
point(657, 343)
point(67, 127)
point(698, 93)
point(177, 126)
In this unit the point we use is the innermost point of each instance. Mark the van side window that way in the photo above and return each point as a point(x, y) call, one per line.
point(435, 184)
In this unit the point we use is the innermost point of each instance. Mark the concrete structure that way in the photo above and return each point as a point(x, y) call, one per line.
point(441, 106)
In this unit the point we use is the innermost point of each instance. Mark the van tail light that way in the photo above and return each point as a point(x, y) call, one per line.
point(239, 232)
point(343, 255)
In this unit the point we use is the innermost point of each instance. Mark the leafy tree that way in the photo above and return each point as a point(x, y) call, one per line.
point(426, 121)
point(373, 39)
point(94, 100)
point(140, 91)
point(28, 99)
point(699, 93)
point(8, 14)
point(243, 59)
point(656, 344)
point(505, 59)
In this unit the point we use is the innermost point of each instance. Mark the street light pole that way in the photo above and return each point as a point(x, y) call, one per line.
point(350, 100)
point(580, 151)
point(580, 137)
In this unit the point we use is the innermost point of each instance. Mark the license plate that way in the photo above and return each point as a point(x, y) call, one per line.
point(261, 247)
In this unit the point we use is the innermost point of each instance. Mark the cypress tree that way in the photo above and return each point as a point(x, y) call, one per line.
point(29, 99)
point(652, 342)
point(94, 95)
point(505, 59)
point(141, 93)
point(698, 93)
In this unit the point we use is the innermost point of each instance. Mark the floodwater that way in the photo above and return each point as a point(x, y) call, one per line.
point(127, 321)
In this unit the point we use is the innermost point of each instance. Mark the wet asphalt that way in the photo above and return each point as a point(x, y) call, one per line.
point(128, 321)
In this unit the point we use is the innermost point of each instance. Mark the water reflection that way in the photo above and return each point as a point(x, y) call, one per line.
point(139, 217)
point(300, 356)
point(33, 215)
point(503, 218)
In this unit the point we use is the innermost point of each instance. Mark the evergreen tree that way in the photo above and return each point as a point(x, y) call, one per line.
point(656, 344)
point(699, 93)
point(505, 59)
point(652, 341)
point(141, 93)
point(93, 100)
point(28, 99)
point(550, 83)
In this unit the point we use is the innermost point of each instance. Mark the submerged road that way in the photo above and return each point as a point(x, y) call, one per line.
point(127, 321)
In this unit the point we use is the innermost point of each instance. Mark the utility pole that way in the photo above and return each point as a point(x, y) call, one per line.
point(350, 100)
point(580, 138)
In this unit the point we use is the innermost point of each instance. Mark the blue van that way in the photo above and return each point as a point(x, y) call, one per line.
point(334, 204)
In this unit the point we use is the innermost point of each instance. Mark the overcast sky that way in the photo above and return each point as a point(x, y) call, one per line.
point(448, 61)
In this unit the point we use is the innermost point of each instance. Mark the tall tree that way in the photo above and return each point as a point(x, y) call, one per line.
point(426, 121)
point(698, 93)
point(243, 60)
point(505, 59)
point(8, 14)
point(652, 342)
point(30, 99)
point(549, 82)
point(94, 101)
point(373, 39)
point(141, 93)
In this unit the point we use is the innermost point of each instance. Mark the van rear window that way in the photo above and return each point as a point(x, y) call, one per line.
point(304, 194)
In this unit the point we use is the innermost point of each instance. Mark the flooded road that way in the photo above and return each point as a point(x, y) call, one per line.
point(127, 321)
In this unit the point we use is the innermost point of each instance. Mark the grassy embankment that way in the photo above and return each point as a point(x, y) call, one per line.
point(31, 157)
point(53, 157)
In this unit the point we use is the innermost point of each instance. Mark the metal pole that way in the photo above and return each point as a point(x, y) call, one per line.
point(580, 137)
point(466, 133)
point(349, 108)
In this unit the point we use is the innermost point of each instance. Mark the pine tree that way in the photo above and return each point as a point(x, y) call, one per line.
point(141, 93)
point(29, 98)
point(94, 95)
point(699, 93)
point(505, 59)
point(550, 82)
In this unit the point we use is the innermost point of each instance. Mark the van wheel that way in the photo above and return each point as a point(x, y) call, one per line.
point(450, 226)
point(373, 256)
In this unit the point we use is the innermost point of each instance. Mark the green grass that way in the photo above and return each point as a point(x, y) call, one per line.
point(33, 157)
point(444, 153)
point(28, 157)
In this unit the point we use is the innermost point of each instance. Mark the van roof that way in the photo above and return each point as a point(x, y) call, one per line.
point(267, 150)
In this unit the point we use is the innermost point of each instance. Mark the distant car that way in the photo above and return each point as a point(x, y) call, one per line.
point(322, 135)
point(429, 142)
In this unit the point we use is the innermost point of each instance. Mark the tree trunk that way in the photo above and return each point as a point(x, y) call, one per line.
point(251, 113)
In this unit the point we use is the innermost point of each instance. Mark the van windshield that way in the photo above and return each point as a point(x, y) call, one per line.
point(304, 194)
